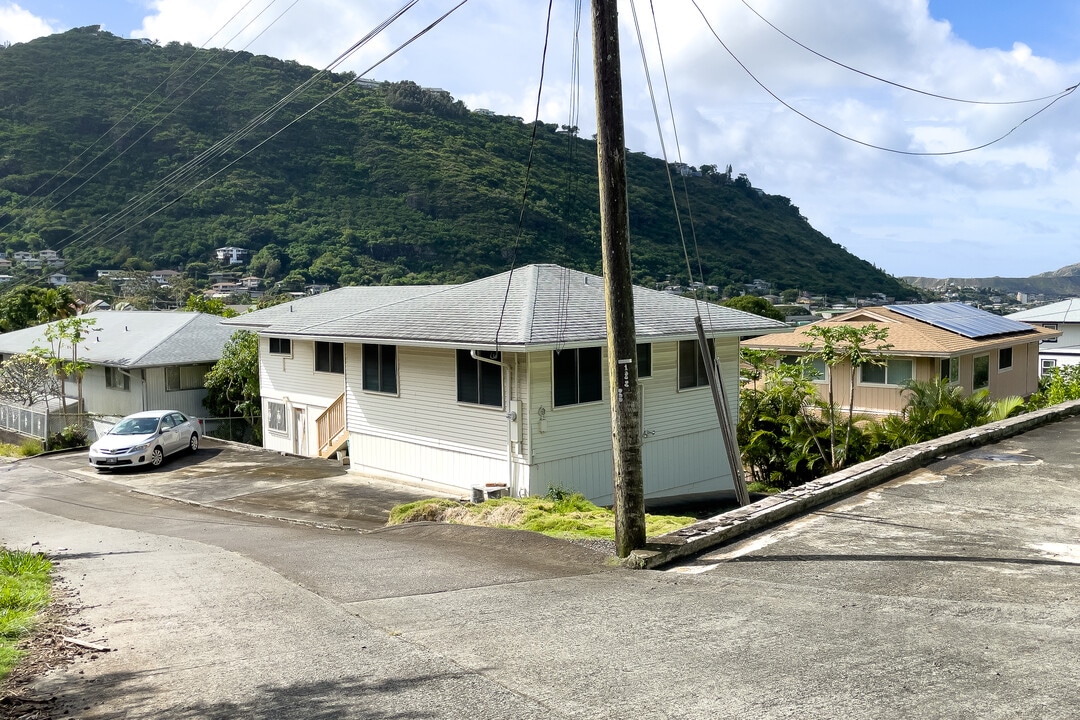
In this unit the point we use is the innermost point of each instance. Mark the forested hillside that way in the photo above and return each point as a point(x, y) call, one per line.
point(380, 184)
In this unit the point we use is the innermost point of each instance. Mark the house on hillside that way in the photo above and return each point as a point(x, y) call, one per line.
point(1063, 316)
point(231, 255)
point(970, 347)
point(501, 380)
point(139, 360)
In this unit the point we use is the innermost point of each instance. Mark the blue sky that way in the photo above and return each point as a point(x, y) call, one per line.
point(1010, 209)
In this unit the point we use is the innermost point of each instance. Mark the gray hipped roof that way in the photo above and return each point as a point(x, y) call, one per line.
point(137, 339)
point(533, 307)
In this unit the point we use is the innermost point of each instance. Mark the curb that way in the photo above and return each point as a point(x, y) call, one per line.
point(717, 530)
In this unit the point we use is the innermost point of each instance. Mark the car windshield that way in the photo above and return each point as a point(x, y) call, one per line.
point(135, 426)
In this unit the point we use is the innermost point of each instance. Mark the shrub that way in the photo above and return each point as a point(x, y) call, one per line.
point(72, 436)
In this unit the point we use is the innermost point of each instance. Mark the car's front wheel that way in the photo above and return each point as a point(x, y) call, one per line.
point(193, 443)
point(157, 457)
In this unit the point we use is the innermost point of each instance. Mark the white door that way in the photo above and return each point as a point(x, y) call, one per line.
point(299, 431)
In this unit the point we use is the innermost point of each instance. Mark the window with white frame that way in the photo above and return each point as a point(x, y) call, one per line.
point(1005, 359)
point(644, 360)
point(380, 368)
point(330, 357)
point(950, 369)
point(692, 371)
point(980, 372)
point(116, 379)
point(816, 369)
point(1050, 326)
point(1048, 364)
point(275, 416)
point(280, 346)
point(895, 371)
point(185, 377)
point(576, 376)
point(479, 382)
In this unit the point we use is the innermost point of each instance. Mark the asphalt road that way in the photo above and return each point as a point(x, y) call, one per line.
point(952, 592)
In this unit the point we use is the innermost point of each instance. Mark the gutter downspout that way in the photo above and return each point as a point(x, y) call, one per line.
point(511, 417)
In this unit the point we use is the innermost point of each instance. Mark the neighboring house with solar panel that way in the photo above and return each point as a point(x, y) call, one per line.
point(1063, 316)
point(138, 360)
point(499, 381)
point(967, 346)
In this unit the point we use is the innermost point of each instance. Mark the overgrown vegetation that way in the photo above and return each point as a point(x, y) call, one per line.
point(27, 448)
point(788, 435)
point(232, 386)
point(1059, 385)
point(561, 515)
point(389, 184)
point(24, 592)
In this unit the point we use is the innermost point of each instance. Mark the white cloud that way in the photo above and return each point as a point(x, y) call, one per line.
point(20, 25)
point(954, 215)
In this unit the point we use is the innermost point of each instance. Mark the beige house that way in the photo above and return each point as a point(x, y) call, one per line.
point(970, 347)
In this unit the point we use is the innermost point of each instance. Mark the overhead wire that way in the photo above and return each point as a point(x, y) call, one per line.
point(528, 175)
point(222, 146)
point(1065, 93)
point(138, 205)
point(126, 115)
point(896, 84)
point(573, 115)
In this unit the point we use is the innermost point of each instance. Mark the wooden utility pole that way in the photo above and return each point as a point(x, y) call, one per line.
point(618, 285)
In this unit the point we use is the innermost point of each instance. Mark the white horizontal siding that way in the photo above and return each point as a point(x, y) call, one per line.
point(294, 376)
point(109, 401)
point(422, 433)
point(682, 454)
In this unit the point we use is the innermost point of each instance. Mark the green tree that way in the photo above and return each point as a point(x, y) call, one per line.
point(855, 346)
point(209, 306)
point(70, 332)
point(232, 384)
point(756, 305)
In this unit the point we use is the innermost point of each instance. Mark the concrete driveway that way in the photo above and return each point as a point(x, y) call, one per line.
point(234, 477)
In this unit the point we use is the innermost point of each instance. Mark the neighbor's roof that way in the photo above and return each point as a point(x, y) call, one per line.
point(1066, 311)
point(137, 339)
point(533, 306)
point(907, 335)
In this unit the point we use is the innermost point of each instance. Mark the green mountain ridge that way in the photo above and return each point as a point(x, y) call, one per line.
point(384, 184)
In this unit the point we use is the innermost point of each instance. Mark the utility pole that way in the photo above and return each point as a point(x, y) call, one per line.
point(618, 284)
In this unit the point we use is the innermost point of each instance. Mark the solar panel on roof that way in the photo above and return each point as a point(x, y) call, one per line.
point(961, 319)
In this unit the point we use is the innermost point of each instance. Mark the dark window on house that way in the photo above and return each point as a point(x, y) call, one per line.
point(185, 377)
point(577, 376)
point(479, 382)
point(1050, 326)
point(330, 357)
point(116, 379)
point(280, 346)
point(380, 368)
point(644, 360)
point(1004, 359)
point(950, 369)
point(692, 372)
point(980, 372)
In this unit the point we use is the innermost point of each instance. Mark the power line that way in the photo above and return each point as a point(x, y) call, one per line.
point(128, 114)
point(92, 235)
point(899, 85)
point(1065, 93)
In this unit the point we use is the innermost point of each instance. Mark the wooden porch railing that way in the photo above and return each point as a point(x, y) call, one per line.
point(331, 427)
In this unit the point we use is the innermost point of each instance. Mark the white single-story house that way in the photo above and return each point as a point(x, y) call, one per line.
point(1063, 316)
point(139, 360)
point(497, 381)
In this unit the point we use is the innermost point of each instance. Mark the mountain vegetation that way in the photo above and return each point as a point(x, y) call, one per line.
point(125, 154)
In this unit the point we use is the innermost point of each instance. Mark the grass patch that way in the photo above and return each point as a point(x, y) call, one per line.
point(24, 591)
point(27, 448)
point(566, 516)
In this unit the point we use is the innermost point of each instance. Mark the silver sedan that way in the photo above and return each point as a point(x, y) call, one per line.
point(145, 438)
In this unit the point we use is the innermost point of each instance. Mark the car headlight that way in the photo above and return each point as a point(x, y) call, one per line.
point(140, 447)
